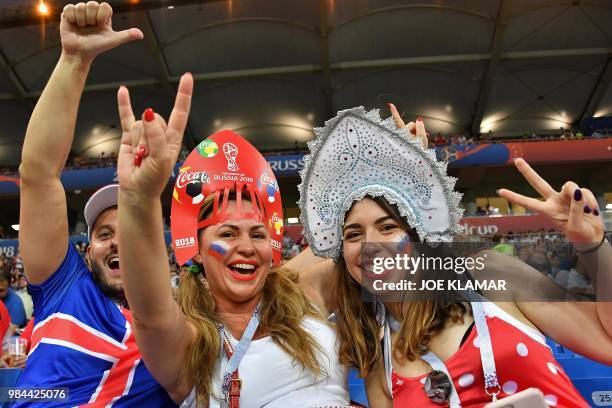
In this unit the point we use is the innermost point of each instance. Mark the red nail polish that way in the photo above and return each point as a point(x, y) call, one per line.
point(389, 105)
point(142, 150)
point(137, 160)
point(419, 119)
point(413, 131)
point(149, 115)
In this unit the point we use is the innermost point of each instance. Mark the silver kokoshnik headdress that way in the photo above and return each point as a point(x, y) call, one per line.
point(357, 154)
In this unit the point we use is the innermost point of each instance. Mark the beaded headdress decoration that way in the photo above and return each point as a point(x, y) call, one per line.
point(356, 155)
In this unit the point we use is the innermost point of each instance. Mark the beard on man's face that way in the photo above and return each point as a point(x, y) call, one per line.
point(113, 291)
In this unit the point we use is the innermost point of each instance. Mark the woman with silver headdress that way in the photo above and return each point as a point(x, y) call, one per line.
point(364, 181)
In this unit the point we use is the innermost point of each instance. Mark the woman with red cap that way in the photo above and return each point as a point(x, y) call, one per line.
point(248, 338)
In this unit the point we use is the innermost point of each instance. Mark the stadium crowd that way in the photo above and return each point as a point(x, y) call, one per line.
point(109, 159)
point(551, 254)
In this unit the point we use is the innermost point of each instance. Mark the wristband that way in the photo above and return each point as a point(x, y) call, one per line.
point(595, 248)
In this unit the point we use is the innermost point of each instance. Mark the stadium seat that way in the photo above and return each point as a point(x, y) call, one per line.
point(593, 380)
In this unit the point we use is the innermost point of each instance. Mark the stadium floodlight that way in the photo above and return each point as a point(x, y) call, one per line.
point(292, 220)
point(609, 206)
point(43, 10)
point(15, 227)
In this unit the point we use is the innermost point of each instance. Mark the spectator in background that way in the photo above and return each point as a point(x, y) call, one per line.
point(524, 253)
point(287, 240)
point(462, 140)
point(171, 256)
point(287, 245)
point(302, 242)
point(102, 159)
point(454, 140)
point(17, 262)
point(439, 140)
point(21, 288)
point(500, 244)
point(81, 248)
point(78, 161)
point(555, 264)
point(576, 281)
point(183, 272)
point(11, 300)
point(481, 211)
point(567, 259)
point(539, 261)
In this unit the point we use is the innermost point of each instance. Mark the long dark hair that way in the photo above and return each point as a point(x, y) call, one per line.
point(359, 331)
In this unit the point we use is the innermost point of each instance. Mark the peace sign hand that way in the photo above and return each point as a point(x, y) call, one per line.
point(149, 147)
point(573, 210)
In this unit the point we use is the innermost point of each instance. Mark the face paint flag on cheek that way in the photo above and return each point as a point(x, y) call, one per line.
point(222, 164)
point(404, 244)
point(218, 249)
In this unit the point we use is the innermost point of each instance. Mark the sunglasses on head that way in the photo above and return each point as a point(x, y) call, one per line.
point(438, 387)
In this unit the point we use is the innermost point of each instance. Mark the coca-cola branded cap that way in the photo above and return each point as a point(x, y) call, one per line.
point(99, 201)
point(223, 163)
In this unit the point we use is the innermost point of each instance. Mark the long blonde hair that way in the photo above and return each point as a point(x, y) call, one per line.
point(284, 306)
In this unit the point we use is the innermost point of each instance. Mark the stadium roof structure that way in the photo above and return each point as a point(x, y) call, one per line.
point(271, 70)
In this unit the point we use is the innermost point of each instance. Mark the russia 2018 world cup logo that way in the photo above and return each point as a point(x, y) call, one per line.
point(231, 152)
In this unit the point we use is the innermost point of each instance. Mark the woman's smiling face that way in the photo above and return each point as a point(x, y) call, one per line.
point(237, 256)
point(368, 222)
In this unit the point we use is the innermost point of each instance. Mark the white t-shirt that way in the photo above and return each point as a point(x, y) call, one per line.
point(272, 379)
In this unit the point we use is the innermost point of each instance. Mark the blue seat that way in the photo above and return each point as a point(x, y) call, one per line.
point(357, 391)
point(593, 380)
